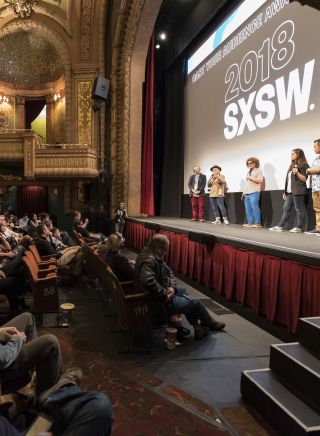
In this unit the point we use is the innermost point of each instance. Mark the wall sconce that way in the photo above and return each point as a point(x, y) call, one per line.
point(4, 99)
point(57, 97)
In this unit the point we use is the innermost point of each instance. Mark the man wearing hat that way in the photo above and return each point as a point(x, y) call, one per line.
point(197, 183)
point(217, 184)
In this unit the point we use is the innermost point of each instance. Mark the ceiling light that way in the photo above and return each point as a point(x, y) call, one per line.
point(157, 46)
point(4, 99)
point(162, 36)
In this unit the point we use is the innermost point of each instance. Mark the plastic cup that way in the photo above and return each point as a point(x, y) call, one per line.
point(171, 336)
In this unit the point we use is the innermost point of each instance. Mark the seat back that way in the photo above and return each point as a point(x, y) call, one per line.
point(35, 253)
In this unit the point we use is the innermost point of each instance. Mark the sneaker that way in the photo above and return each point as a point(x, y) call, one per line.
point(225, 221)
point(247, 225)
point(256, 226)
point(217, 221)
point(314, 231)
point(202, 221)
point(217, 326)
point(276, 229)
point(193, 219)
point(295, 230)
point(71, 376)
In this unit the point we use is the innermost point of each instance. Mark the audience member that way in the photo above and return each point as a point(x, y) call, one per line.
point(154, 275)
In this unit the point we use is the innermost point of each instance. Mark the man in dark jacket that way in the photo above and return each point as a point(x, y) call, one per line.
point(154, 275)
point(197, 184)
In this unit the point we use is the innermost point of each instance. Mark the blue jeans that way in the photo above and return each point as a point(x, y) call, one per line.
point(298, 201)
point(218, 206)
point(252, 207)
point(193, 309)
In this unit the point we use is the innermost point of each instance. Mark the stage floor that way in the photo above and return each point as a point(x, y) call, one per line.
point(293, 246)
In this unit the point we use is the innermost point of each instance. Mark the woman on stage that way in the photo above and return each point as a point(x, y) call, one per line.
point(295, 191)
point(217, 184)
point(251, 193)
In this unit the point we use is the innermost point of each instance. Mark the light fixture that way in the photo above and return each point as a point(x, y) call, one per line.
point(57, 97)
point(157, 46)
point(21, 8)
point(163, 36)
point(4, 99)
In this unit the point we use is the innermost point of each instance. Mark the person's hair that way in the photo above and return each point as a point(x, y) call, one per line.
point(317, 141)
point(158, 242)
point(44, 216)
point(40, 229)
point(25, 241)
point(54, 230)
point(216, 166)
point(114, 242)
point(254, 160)
point(301, 159)
point(196, 166)
point(76, 212)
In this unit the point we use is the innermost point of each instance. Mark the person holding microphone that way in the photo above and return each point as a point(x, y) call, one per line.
point(295, 191)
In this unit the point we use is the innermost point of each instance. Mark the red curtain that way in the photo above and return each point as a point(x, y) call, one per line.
point(279, 289)
point(147, 200)
point(32, 199)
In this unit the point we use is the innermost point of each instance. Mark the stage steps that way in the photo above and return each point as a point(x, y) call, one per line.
point(288, 393)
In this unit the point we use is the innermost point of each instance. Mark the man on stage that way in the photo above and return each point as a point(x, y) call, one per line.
point(314, 172)
point(197, 183)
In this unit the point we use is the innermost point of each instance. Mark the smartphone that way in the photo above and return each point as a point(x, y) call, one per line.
point(41, 423)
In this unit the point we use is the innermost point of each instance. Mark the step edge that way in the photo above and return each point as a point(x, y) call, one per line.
point(307, 320)
point(297, 420)
point(296, 360)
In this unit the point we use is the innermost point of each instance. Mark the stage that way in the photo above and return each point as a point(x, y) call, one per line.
point(277, 274)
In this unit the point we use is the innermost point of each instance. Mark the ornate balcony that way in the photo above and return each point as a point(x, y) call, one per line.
point(46, 160)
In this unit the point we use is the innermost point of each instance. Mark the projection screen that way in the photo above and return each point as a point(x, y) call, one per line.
point(252, 89)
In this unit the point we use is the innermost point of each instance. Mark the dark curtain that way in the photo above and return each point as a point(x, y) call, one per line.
point(172, 172)
point(147, 199)
point(32, 199)
point(33, 109)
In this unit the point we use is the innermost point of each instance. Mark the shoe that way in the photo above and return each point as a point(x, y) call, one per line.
point(314, 231)
point(182, 333)
point(217, 221)
point(256, 226)
point(225, 221)
point(217, 326)
point(193, 219)
point(247, 225)
point(71, 376)
point(202, 221)
point(295, 230)
point(276, 229)
point(198, 332)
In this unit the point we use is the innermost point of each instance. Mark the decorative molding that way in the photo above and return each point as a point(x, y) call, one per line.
point(87, 7)
point(84, 116)
point(128, 21)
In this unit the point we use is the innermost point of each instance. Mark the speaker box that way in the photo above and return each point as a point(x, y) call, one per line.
point(100, 88)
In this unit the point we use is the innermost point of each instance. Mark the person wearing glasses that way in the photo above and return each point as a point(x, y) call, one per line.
point(295, 191)
point(251, 193)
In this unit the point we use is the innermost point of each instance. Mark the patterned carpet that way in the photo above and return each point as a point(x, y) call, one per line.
point(141, 407)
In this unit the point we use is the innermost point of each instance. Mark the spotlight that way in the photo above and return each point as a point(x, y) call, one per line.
point(157, 46)
point(163, 36)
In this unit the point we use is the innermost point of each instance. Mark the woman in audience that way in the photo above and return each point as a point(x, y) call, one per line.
point(295, 191)
point(251, 193)
point(122, 268)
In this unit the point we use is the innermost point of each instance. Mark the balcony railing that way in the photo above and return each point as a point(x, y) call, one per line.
point(47, 160)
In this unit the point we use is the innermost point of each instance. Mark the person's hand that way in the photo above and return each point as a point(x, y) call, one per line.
point(22, 334)
point(132, 263)
point(2, 275)
point(284, 196)
point(170, 293)
point(295, 170)
point(6, 333)
point(86, 221)
point(11, 254)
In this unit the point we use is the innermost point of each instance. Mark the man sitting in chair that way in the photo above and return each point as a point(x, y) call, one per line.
point(154, 275)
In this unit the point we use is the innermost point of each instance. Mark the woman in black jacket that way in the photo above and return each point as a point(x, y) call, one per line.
point(295, 191)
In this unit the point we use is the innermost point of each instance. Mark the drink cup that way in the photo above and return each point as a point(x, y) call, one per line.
point(171, 335)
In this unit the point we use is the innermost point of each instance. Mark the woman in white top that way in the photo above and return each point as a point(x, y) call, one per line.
point(251, 193)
